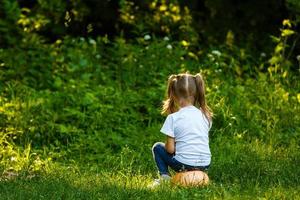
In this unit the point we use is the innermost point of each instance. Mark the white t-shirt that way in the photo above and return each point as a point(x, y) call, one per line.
point(190, 128)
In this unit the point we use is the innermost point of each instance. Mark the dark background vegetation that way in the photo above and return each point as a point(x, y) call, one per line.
point(249, 19)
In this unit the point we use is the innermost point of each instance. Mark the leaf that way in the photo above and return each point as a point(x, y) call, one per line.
point(275, 39)
point(287, 23)
point(274, 60)
point(63, 128)
point(83, 62)
point(287, 32)
point(57, 82)
point(279, 48)
point(89, 98)
point(284, 74)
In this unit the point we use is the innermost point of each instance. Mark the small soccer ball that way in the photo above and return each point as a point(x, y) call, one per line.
point(190, 178)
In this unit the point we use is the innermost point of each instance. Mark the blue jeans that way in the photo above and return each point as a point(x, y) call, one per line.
point(164, 160)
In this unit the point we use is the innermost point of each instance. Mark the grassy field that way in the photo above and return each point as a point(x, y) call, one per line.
point(240, 170)
point(105, 185)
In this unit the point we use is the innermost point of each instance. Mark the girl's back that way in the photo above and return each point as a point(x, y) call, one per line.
point(190, 128)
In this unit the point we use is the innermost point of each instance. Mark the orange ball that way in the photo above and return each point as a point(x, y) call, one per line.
point(190, 178)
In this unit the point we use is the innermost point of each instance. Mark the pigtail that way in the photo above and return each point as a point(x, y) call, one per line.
point(200, 97)
point(169, 105)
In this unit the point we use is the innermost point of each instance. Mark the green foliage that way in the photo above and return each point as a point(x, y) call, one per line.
point(159, 18)
point(93, 105)
point(15, 161)
point(280, 63)
point(77, 94)
point(294, 6)
point(74, 98)
point(9, 14)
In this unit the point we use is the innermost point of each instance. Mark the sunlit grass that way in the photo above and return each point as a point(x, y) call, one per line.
point(107, 185)
point(240, 170)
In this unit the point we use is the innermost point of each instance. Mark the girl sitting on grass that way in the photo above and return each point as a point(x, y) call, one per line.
point(186, 127)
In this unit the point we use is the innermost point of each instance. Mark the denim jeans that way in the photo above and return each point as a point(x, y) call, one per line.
point(164, 160)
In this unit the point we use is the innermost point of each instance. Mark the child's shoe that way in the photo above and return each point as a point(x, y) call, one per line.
point(162, 179)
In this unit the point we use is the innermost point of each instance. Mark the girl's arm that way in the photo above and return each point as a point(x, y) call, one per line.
point(170, 145)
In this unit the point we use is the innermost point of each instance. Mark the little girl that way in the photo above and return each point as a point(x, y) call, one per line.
point(186, 127)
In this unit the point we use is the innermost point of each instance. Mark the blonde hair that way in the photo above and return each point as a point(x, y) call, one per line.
point(188, 87)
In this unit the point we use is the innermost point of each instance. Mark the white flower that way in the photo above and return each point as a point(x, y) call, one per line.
point(98, 56)
point(169, 47)
point(13, 159)
point(91, 41)
point(81, 39)
point(298, 58)
point(147, 37)
point(210, 56)
point(166, 38)
point(263, 54)
point(216, 52)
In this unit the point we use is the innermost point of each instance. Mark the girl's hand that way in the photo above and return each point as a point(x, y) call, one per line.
point(170, 145)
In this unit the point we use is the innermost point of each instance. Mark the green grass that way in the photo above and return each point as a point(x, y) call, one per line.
point(108, 185)
point(240, 170)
